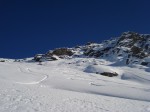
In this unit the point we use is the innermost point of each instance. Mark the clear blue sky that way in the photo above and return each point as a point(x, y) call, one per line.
point(28, 27)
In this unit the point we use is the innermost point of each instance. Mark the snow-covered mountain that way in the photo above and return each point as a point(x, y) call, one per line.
point(130, 48)
point(112, 76)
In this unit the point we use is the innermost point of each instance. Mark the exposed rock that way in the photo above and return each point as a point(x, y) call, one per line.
point(147, 46)
point(38, 57)
point(54, 58)
point(62, 51)
point(145, 63)
point(98, 54)
point(89, 52)
point(135, 50)
point(51, 58)
point(2, 60)
point(127, 61)
point(108, 74)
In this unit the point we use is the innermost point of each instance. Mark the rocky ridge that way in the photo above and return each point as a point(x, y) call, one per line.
point(129, 48)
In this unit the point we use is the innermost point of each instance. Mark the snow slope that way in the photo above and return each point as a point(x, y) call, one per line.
point(71, 85)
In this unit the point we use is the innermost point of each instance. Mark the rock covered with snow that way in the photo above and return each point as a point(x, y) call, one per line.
point(77, 78)
point(129, 48)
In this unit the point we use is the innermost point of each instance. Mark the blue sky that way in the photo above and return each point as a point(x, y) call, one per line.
point(28, 27)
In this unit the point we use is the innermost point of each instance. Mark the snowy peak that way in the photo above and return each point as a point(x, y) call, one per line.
point(131, 39)
point(129, 48)
point(81, 79)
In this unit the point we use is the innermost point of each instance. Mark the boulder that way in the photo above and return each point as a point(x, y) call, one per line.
point(144, 63)
point(2, 60)
point(62, 51)
point(109, 74)
point(38, 57)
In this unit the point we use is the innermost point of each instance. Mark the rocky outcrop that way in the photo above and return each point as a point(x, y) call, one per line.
point(2, 60)
point(60, 52)
point(38, 57)
point(109, 74)
point(129, 48)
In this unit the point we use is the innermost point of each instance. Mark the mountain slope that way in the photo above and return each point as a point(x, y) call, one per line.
point(66, 85)
point(128, 49)
point(71, 80)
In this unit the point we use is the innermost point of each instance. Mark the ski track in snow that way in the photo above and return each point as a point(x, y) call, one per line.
point(60, 88)
point(37, 82)
point(28, 71)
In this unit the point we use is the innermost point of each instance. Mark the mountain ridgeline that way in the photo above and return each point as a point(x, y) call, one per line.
point(129, 48)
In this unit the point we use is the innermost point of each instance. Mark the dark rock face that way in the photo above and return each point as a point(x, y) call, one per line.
point(145, 63)
point(133, 36)
point(62, 51)
point(53, 58)
point(42, 57)
point(127, 61)
point(38, 57)
point(89, 52)
point(98, 54)
point(136, 50)
point(147, 46)
point(108, 74)
point(2, 60)
point(49, 56)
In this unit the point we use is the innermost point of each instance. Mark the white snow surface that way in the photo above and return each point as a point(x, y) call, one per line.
point(71, 85)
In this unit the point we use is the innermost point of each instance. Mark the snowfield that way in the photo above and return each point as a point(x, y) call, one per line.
point(72, 85)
